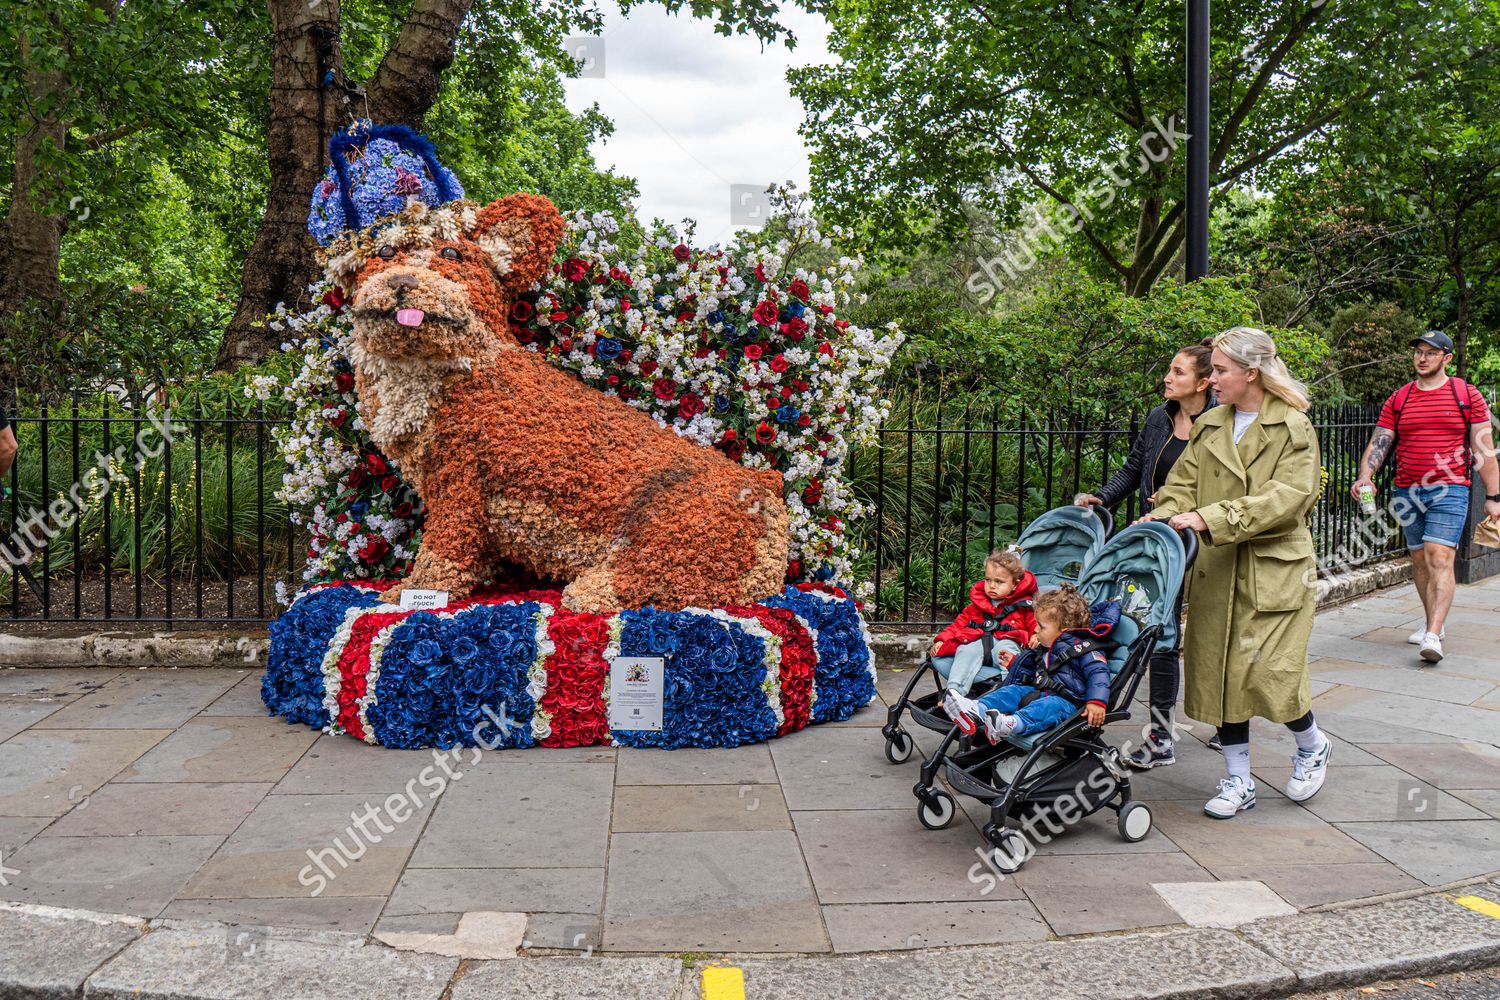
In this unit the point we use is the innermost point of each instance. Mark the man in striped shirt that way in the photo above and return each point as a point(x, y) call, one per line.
point(1439, 426)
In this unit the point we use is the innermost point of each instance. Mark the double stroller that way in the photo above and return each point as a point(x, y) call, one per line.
point(1045, 781)
point(1054, 548)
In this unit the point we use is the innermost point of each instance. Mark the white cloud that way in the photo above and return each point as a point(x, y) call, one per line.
point(695, 112)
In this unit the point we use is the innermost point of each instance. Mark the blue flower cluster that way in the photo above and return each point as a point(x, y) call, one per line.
point(440, 678)
point(395, 164)
point(293, 685)
point(713, 679)
point(844, 684)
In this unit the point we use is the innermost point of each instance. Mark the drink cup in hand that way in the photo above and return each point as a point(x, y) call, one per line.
point(1367, 499)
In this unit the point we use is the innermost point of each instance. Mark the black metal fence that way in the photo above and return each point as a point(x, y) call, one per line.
point(189, 531)
point(153, 510)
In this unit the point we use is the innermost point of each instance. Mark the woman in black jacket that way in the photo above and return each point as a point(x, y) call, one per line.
point(1156, 448)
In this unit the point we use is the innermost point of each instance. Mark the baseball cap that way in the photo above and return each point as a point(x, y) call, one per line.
point(1435, 338)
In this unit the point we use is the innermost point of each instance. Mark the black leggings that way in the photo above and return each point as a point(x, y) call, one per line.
point(1236, 733)
point(1166, 675)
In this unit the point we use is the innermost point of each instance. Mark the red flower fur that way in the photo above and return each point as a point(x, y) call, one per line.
point(519, 463)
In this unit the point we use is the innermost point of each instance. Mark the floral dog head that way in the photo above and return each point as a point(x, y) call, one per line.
point(438, 283)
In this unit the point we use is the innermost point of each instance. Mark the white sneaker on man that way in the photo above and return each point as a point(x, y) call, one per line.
point(1308, 772)
point(1432, 648)
point(1415, 639)
point(1235, 795)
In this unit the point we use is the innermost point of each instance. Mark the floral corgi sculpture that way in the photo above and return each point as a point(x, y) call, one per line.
point(516, 460)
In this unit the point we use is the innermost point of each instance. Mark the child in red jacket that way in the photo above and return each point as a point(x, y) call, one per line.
point(999, 605)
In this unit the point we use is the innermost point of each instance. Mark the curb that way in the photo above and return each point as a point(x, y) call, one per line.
point(57, 953)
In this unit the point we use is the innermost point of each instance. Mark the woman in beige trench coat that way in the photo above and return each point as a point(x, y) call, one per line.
point(1246, 482)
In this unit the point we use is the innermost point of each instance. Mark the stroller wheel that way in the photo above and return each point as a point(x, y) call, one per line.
point(1134, 821)
point(1011, 853)
point(898, 748)
point(938, 812)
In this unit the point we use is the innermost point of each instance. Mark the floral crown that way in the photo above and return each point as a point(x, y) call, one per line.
point(417, 225)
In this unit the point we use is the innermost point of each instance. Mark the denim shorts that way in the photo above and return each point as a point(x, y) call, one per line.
point(1434, 513)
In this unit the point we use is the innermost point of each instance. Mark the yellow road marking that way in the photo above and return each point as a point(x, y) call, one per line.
point(1480, 905)
point(722, 982)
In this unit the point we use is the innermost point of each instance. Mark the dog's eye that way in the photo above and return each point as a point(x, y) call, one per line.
point(451, 253)
point(386, 252)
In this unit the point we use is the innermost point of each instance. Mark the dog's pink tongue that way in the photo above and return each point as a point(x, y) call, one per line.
point(410, 317)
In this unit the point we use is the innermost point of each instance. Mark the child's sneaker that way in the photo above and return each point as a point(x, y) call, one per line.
point(965, 712)
point(998, 725)
point(1308, 772)
point(1235, 795)
point(1154, 752)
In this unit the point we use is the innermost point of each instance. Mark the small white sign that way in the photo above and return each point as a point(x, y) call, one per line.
point(636, 692)
point(423, 600)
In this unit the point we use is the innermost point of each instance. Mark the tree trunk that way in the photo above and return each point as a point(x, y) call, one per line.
point(1461, 327)
point(32, 238)
point(281, 263)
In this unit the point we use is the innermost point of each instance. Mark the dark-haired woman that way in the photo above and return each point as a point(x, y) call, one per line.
point(1157, 447)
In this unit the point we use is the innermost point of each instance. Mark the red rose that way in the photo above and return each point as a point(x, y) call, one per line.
point(375, 465)
point(339, 418)
point(374, 550)
point(558, 315)
point(627, 393)
point(689, 406)
point(403, 509)
point(730, 434)
point(681, 252)
point(786, 392)
point(702, 352)
point(826, 349)
point(753, 352)
point(799, 288)
point(524, 334)
point(766, 313)
point(521, 311)
point(760, 272)
point(794, 569)
point(343, 381)
point(334, 299)
point(390, 484)
point(647, 367)
point(612, 380)
point(574, 269)
point(736, 450)
point(796, 328)
point(779, 364)
point(804, 421)
point(356, 477)
point(765, 433)
point(813, 495)
point(841, 324)
point(665, 389)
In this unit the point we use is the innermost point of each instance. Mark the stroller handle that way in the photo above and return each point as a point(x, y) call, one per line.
point(1189, 545)
point(1102, 512)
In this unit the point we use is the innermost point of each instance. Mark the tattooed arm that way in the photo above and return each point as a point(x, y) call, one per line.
point(1376, 452)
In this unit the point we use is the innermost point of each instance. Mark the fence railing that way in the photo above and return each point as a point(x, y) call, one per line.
point(190, 532)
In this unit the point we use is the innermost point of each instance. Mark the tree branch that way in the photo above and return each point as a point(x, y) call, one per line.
point(408, 80)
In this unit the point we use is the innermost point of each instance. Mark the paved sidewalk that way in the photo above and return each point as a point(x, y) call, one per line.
point(164, 793)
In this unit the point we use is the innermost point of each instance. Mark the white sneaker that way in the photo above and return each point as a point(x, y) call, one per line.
point(965, 712)
point(1235, 795)
point(1415, 639)
point(1432, 648)
point(1308, 772)
point(998, 725)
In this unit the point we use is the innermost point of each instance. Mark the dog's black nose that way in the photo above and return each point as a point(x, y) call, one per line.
point(399, 281)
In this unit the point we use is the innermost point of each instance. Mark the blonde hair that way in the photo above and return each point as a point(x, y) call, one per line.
point(1251, 348)
point(1008, 561)
point(1065, 607)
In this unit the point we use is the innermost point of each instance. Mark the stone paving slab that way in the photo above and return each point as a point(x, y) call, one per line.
point(572, 979)
point(32, 964)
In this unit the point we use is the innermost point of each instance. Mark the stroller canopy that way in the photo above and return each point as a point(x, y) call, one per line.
point(1141, 567)
point(1059, 544)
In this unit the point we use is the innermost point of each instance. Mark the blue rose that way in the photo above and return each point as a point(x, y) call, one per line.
point(788, 414)
point(608, 348)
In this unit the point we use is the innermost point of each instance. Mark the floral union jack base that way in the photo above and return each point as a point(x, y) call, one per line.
point(510, 667)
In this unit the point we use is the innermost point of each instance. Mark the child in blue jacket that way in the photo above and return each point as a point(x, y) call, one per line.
point(1048, 681)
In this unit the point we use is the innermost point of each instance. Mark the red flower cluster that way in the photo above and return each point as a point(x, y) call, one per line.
point(575, 680)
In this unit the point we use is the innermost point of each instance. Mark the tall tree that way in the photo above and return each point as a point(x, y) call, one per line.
point(82, 84)
point(322, 48)
point(1001, 103)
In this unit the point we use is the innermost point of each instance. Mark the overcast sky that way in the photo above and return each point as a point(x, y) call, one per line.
point(696, 112)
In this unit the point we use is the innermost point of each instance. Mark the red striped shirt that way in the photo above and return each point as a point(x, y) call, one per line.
point(1430, 439)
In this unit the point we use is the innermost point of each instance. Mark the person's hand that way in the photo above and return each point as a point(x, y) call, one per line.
point(1087, 500)
point(1034, 641)
point(1093, 714)
point(934, 650)
point(1492, 510)
point(1151, 499)
point(1144, 518)
point(1191, 520)
point(1004, 657)
point(1360, 484)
